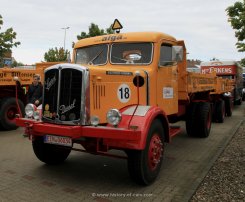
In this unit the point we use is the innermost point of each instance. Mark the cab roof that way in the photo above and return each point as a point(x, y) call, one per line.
point(125, 37)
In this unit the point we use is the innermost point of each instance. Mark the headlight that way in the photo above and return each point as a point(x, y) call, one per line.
point(29, 110)
point(95, 120)
point(113, 117)
point(36, 115)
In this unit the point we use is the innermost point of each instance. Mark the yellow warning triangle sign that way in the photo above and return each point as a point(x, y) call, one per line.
point(116, 25)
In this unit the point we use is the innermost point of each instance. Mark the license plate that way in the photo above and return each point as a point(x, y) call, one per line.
point(58, 140)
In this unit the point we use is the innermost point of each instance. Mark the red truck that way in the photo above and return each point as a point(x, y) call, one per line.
point(227, 69)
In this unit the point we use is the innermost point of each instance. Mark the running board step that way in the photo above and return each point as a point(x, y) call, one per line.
point(174, 130)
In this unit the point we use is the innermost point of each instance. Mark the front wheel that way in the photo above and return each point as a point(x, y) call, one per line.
point(48, 153)
point(144, 165)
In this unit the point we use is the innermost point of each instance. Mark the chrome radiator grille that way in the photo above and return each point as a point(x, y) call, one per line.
point(62, 96)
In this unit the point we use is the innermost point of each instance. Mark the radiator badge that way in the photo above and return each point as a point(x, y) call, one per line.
point(50, 82)
point(65, 109)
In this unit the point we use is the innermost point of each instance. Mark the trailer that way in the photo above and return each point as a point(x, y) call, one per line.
point(122, 92)
point(9, 90)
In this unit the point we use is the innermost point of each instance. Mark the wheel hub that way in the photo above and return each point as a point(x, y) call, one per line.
point(155, 151)
point(11, 113)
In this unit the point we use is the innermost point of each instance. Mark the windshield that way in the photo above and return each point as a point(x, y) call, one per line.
point(131, 53)
point(92, 55)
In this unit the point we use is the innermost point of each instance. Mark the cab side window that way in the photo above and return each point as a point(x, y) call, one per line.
point(166, 55)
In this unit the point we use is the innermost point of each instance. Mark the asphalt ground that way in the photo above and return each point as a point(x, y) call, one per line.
point(85, 177)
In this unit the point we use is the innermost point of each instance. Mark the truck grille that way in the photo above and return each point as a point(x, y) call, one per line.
point(62, 96)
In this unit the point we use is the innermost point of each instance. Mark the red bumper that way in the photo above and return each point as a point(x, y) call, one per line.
point(113, 136)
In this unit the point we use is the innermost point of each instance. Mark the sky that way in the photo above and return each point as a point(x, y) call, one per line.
point(202, 24)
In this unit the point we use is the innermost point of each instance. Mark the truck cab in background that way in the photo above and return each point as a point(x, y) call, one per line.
point(231, 70)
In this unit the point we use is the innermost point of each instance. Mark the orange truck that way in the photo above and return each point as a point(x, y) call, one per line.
point(8, 89)
point(123, 92)
point(231, 70)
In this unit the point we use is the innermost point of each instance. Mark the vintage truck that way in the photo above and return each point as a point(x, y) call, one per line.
point(122, 92)
point(9, 90)
point(231, 70)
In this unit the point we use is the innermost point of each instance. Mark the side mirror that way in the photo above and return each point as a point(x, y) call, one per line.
point(177, 53)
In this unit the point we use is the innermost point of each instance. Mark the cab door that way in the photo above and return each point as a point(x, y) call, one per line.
point(167, 81)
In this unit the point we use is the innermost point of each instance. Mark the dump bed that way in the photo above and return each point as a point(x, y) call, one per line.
point(198, 82)
point(25, 75)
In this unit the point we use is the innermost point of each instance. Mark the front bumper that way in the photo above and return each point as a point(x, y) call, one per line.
point(119, 137)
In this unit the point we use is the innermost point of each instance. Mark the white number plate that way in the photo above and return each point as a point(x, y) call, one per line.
point(58, 140)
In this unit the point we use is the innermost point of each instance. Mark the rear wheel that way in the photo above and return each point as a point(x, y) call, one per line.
point(228, 107)
point(144, 165)
point(190, 119)
point(48, 153)
point(198, 121)
point(219, 111)
point(8, 110)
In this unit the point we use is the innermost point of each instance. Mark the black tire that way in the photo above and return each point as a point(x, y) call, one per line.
point(239, 101)
point(144, 165)
point(243, 96)
point(198, 121)
point(48, 153)
point(204, 114)
point(228, 107)
point(219, 111)
point(8, 110)
point(190, 119)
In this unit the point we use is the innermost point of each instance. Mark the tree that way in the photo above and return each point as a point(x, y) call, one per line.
point(56, 55)
point(7, 40)
point(236, 15)
point(16, 64)
point(243, 62)
point(94, 30)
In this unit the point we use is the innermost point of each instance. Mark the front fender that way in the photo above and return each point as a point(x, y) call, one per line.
point(142, 120)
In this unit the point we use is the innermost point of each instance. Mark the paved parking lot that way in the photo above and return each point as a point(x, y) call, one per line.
point(85, 177)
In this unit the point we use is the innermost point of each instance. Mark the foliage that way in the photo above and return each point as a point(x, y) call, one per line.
point(236, 15)
point(16, 64)
point(94, 30)
point(243, 62)
point(56, 55)
point(7, 40)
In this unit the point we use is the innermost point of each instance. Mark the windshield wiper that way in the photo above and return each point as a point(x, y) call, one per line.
point(94, 58)
point(120, 58)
